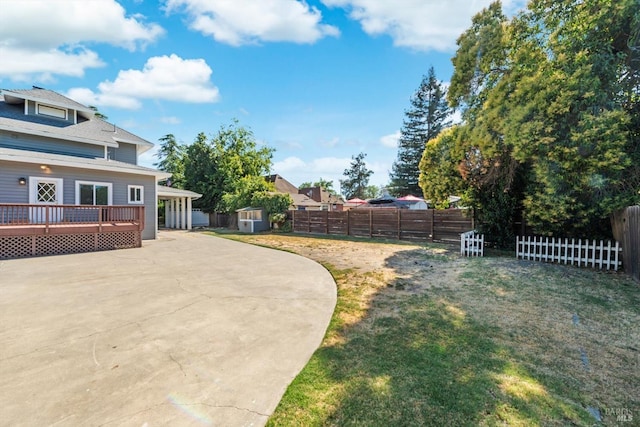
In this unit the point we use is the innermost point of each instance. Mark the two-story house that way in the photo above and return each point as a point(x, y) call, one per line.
point(70, 180)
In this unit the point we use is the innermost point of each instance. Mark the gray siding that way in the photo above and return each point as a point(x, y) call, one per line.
point(126, 153)
point(32, 111)
point(52, 146)
point(12, 192)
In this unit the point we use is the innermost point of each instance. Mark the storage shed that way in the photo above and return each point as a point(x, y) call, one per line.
point(252, 220)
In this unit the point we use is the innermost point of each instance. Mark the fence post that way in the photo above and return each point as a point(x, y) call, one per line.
point(433, 230)
point(370, 223)
point(326, 217)
point(349, 222)
point(399, 223)
point(308, 221)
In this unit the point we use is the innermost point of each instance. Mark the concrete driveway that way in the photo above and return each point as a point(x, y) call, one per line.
point(189, 330)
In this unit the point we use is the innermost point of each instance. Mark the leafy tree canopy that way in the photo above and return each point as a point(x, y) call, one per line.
point(550, 102)
point(217, 166)
point(326, 184)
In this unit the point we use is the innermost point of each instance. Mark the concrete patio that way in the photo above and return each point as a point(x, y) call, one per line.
point(189, 330)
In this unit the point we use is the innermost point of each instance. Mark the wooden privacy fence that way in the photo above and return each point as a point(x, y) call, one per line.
point(471, 244)
point(626, 229)
point(421, 225)
point(569, 251)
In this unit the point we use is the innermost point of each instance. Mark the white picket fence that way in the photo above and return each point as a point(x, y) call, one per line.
point(587, 253)
point(471, 244)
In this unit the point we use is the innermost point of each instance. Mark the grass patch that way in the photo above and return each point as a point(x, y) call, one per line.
point(421, 336)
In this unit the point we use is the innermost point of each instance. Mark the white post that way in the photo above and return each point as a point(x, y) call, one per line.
point(166, 213)
point(189, 213)
point(183, 217)
point(174, 216)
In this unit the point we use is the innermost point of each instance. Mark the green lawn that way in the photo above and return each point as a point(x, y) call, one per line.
point(429, 338)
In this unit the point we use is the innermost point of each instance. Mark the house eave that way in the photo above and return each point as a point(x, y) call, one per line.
point(58, 136)
point(11, 155)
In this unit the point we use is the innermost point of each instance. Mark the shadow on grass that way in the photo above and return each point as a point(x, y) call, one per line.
point(413, 359)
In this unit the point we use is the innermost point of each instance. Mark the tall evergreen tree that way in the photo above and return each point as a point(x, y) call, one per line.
point(357, 178)
point(171, 159)
point(424, 120)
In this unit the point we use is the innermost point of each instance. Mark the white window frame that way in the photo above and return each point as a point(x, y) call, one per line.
point(40, 107)
point(109, 185)
point(137, 187)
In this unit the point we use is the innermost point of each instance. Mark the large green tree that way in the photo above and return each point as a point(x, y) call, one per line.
point(424, 120)
point(549, 101)
point(356, 180)
point(217, 167)
point(171, 159)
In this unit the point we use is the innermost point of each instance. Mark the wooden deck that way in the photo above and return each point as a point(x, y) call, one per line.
point(32, 230)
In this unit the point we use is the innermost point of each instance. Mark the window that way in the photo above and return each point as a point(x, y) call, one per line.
point(136, 194)
point(47, 110)
point(93, 193)
point(252, 215)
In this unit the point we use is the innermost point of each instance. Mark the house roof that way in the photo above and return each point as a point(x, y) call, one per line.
point(16, 96)
point(171, 192)
point(89, 129)
point(282, 185)
point(23, 156)
point(302, 200)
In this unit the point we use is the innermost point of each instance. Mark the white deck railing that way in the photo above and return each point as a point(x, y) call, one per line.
point(587, 253)
point(471, 244)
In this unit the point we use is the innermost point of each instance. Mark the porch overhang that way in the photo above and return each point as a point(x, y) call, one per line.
point(177, 207)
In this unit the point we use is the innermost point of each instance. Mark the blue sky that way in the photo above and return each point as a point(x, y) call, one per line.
point(319, 81)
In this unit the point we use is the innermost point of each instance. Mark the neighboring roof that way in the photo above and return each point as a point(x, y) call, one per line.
point(281, 184)
point(411, 198)
point(89, 129)
point(319, 194)
point(249, 209)
point(302, 200)
point(23, 156)
point(356, 201)
point(164, 191)
point(385, 202)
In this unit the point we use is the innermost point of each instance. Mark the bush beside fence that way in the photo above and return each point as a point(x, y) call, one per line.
point(569, 251)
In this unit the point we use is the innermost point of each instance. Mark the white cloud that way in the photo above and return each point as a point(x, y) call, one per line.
point(289, 164)
point(20, 64)
point(170, 120)
point(162, 77)
point(240, 22)
point(417, 24)
point(391, 140)
point(296, 170)
point(331, 143)
point(45, 38)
